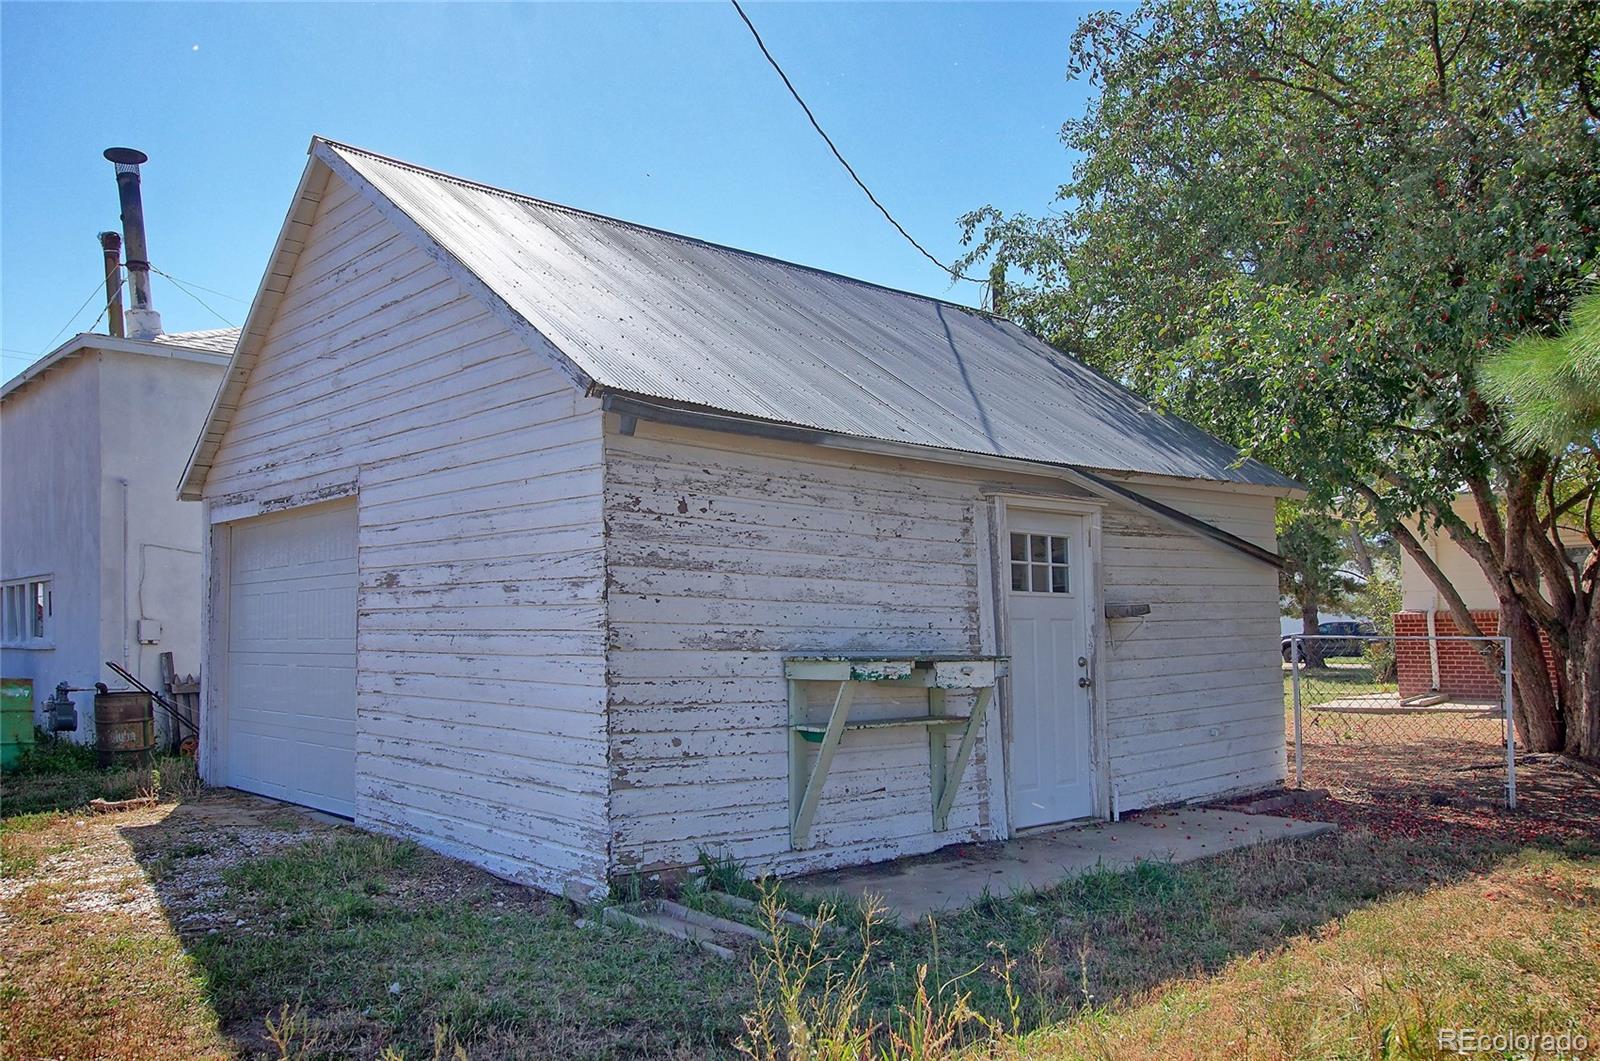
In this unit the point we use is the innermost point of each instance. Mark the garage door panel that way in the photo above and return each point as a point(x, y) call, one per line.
point(291, 687)
point(301, 615)
point(316, 698)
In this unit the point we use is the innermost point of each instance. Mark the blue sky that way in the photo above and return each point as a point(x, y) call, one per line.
point(663, 114)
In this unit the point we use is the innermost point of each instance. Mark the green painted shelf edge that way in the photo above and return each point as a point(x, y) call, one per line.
point(815, 732)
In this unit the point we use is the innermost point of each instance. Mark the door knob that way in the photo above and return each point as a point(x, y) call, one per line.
point(1083, 683)
point(1083, 661)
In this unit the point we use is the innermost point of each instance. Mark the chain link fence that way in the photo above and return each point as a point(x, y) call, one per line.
point(1403, 706)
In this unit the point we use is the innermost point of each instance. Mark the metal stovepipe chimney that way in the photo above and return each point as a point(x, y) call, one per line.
point(143, 320)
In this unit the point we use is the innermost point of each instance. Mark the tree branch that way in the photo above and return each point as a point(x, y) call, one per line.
point(1438, 52)
point(1494, 531)
point(1466, 34)
point(1588, 522)
point(1566, 506)
point(1584, 92)
point(1458, 607)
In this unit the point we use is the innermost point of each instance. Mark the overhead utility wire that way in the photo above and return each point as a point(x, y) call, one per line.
point(207, 290)
point(836, 154)
point(181, 287)
point(122, 278)
point(98, 287)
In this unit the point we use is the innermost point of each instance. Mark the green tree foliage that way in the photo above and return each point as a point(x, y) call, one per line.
point(1312, 546)
point(1304, 225)
point(1551, 385)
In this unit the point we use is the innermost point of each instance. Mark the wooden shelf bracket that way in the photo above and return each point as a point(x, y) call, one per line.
point(936, 674)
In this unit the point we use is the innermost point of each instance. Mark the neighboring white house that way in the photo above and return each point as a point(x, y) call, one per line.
point(1449, 665)
point(517, 512)
point(99, 560)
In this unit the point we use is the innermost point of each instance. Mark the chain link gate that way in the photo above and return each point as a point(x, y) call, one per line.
point(1415, 699)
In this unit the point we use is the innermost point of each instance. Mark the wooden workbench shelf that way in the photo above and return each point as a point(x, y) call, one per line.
point(814, 733)
point(934, 673)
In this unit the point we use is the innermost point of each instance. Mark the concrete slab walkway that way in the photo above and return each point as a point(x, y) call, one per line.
point(958, 877)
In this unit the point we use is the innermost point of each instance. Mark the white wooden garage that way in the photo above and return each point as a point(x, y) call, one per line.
point(575, 548)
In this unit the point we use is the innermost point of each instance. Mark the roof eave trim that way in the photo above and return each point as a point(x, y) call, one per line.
point(642, 407)
point(114, 344)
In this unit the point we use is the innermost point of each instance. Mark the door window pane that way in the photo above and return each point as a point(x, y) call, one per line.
point(1040, 563)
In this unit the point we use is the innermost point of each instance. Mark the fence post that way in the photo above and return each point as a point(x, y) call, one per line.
point(1511, 733)
point(1294, 680)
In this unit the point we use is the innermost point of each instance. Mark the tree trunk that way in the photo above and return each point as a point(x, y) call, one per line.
point(1537, 713)
point(1583, 728)
point(1358, 551)
point(1310, 649)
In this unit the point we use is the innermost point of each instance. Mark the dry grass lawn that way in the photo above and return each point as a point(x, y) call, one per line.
point(91, 966)
point(231, 926)
point(1514, 949)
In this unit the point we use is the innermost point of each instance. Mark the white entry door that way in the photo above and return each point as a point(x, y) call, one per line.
point(1048, 607)
point(290, 697)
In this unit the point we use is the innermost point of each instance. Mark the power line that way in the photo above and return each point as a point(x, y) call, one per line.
point(98, 287)
point(836, 154)
point(179, 284)
point(202, 287)
point(122, 277)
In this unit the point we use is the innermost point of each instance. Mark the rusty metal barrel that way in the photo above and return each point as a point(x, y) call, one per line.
point(124, 728)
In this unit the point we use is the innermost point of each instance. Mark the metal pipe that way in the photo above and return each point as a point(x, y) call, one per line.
point(1433, 644)
point(1511, 733)
point(111, 250)
point(143, 321)
point(1299, 744)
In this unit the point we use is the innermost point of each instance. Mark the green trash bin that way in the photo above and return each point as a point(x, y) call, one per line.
point(16, 719)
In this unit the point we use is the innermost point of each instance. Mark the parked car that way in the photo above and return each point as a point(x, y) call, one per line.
point(1336, 645)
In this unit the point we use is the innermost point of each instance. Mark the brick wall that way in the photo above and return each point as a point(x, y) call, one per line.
point(1462, 671)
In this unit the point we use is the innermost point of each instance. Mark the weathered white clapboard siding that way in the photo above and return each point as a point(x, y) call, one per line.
point(480, 644)
point(1194, 696)
point(726, 555)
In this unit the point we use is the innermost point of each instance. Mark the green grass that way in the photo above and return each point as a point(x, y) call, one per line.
point(1343, 946)
point(1338, 679)
point(57, 774)
point(346, 920)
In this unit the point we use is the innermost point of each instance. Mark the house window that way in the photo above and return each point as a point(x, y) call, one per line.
point(1040, 563)
point(27, 608)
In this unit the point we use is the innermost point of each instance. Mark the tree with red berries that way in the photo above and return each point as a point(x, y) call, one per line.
point(1305, 226)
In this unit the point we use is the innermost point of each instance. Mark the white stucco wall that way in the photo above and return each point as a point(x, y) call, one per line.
point(90, 453)
point(151, 411)
point(50, 520)
point(1417, 591)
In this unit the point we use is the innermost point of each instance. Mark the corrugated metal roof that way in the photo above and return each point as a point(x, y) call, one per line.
point(652, 313)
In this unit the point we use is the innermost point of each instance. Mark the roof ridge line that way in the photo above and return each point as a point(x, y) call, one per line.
point(492, 189)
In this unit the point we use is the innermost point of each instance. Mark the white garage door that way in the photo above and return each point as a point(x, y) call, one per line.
point(291, 683)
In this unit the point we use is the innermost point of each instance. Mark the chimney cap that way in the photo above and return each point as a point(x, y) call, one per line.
point(126, 156)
